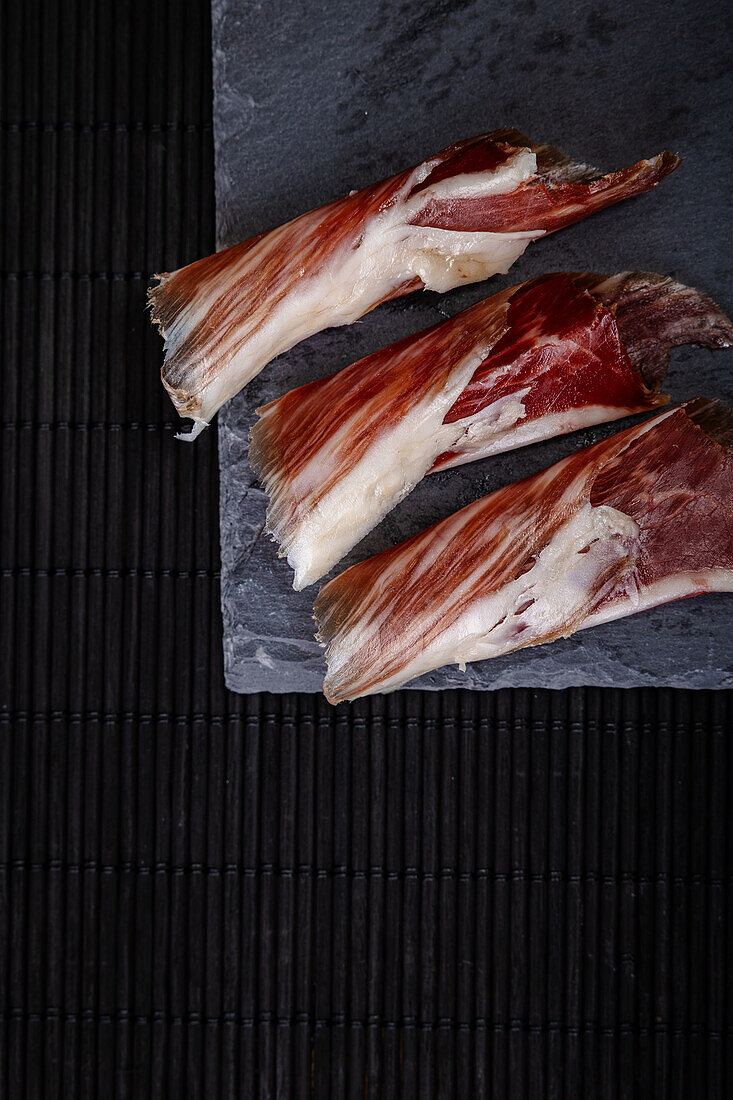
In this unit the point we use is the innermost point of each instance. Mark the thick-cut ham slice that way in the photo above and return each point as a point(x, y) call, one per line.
point(460, 216)
point(636, 520)
point(547, 357)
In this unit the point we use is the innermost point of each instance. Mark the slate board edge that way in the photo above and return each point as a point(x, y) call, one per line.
point(245, 675)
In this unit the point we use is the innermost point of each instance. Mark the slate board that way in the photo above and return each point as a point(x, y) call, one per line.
point(312, 100)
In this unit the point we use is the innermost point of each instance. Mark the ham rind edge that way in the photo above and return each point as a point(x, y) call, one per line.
point(462, 215)
point(549, 356)
point(636, 520)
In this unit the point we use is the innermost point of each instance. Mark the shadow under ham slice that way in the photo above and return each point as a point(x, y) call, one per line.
point(460, 216)
point(636, 520)
point(535, 361)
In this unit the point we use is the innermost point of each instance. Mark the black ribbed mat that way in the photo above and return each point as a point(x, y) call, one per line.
point(509, 895)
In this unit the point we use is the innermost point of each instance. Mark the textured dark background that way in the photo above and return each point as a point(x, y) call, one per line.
point(318, 98)
point(510, 895)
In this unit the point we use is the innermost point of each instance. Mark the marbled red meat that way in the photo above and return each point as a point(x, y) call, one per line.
point(636, 520)
point(224, 317)
point(532, 362)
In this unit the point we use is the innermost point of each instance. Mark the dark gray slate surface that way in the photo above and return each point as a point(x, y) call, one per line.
point(314, 99)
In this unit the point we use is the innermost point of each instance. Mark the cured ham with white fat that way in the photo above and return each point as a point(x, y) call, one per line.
point(636, 520)
point(462, 215)
point(547, 357)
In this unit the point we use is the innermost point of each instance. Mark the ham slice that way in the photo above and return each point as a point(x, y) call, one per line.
point(636, 520)
point(462, 215)
point(547, 357)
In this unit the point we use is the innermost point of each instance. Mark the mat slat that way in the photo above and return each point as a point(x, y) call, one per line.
point(517, 894)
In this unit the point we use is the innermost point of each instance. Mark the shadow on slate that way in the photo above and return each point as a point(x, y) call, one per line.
point(318, 99)
point(510, 894)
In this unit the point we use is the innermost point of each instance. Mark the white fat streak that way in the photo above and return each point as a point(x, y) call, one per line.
point(375, 614)
point(476, 434)
point(391, 253)
point(209, 289)
point(561, 583)
point(392, 467)
point(486, 436)
point(663, 591)
point(519, 168)
point(384, 475)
